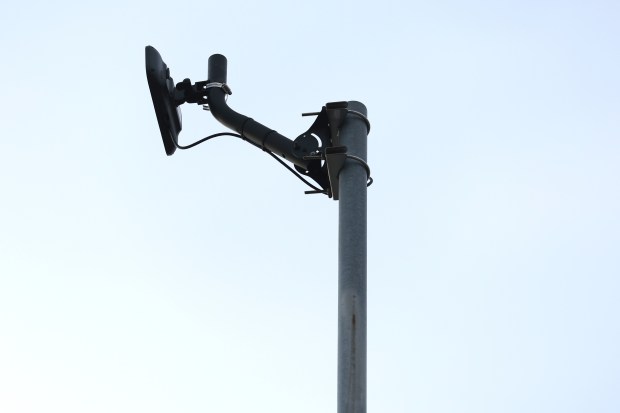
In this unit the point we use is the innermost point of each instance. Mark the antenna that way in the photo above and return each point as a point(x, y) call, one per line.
point(162, 88)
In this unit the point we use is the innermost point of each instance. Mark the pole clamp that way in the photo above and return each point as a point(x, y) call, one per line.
point(186, 92)
point(322, 142)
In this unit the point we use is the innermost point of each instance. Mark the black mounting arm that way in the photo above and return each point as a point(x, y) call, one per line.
point(258, 134)
point(316, 153)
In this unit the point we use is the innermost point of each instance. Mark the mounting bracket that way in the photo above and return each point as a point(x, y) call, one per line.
point(185, 92)
point(322, 141)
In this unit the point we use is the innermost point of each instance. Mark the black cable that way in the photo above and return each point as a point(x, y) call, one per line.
point(215, 135)
point(294, 172)
point(236, 135)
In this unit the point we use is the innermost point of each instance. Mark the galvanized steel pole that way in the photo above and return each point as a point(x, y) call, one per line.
point(352, 266)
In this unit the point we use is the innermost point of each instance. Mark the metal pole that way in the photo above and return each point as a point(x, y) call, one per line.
point(352, 267)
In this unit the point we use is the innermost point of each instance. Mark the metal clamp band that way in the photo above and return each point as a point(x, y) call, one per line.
point(365, 165)
point(222, 86)
point(362, 116)
point(219, 85)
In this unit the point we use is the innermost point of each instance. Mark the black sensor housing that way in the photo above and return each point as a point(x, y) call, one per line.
point(162, 88)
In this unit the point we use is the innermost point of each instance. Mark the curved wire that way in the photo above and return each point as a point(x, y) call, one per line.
point(215, 135)
point(236, 135)
point(294, 172)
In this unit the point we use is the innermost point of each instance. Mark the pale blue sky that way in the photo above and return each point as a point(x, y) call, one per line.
point(206, 281)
